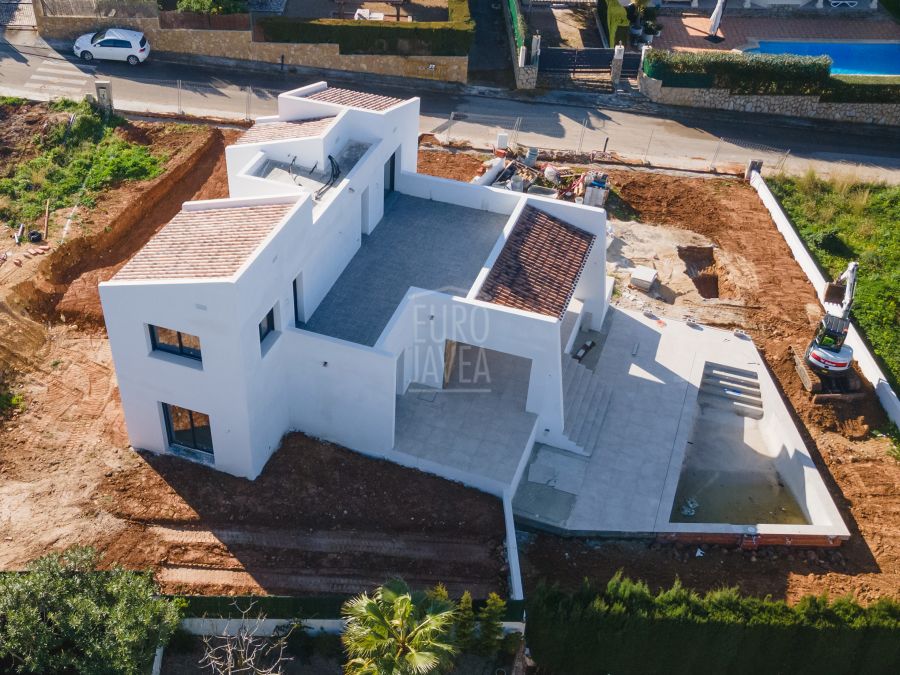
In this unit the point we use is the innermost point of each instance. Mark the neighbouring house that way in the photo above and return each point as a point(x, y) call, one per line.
point(337, 291)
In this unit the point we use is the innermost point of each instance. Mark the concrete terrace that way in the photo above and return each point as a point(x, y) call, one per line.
point(653, 368)
point(477, 424)
point(422, 243)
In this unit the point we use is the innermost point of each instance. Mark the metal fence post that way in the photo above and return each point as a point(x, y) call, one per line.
point(247, 110)
point(649, 141)
point(450, 125)
point(712, 164)
point(581, 137)
point(178, 104)
point(515, 133)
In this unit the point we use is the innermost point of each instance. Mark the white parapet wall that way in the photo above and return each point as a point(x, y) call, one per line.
point(867, 363)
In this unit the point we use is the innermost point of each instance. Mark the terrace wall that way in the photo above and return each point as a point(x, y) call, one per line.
point(239, 45)
point(793, 106)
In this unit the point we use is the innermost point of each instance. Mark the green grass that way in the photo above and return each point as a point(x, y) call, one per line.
point(12, 101)
point(893, 6)
point(844, 219)
point(84, 152)
point(10, 401)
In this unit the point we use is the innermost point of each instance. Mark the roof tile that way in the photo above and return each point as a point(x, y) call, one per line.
point(281, 131)
point(204, 244)
point(539, 266)
point(355, 99)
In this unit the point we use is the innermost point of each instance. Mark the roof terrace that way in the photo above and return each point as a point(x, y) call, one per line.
point(422, 243)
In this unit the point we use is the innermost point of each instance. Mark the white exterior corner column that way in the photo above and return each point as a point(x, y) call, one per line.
point(874, 4)
point(820, 4)
point(696, 3)
point(616, 66)
point(747, 4)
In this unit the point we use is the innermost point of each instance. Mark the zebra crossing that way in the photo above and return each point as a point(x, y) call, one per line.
point(56, 77)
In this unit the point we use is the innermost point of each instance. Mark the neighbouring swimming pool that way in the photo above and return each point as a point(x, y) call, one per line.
point(848, 58)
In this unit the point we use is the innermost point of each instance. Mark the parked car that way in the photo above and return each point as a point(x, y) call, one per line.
point(114, 44)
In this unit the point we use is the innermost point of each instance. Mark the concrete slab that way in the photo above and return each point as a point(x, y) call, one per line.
point(480, 430)
point(418, 242)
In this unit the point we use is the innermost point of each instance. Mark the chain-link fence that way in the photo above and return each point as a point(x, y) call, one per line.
point(591, 138)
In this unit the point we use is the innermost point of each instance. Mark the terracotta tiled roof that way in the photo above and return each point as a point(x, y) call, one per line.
point(539, 266)
point(203, 244)
point(356, 99)
point(279, 131)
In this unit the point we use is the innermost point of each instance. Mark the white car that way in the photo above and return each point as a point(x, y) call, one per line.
point(114, 44)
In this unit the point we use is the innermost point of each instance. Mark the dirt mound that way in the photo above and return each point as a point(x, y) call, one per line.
point(459, 166)
point(122, 222)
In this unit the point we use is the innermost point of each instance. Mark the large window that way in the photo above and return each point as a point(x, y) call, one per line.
point(267, 325)
point(188, 428)
point(175, 342)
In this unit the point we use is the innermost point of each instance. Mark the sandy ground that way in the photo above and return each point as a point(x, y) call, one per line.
point(67, 475)
point(574, 27)
point(762, 290)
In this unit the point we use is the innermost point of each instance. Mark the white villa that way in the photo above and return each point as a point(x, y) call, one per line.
point(461, 329)
point(337, 291)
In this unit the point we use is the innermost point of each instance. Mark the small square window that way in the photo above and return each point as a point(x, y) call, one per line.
point(175, 342)
point(267, 325)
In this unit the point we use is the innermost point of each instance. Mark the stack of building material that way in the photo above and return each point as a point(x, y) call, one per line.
point(643, 278)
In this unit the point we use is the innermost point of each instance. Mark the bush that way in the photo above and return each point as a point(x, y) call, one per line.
point(427, 38)
point(616, 21)
point(849, 89)
point(213, 6)
point(740, 72)
point(624, 628)
point(65, 616)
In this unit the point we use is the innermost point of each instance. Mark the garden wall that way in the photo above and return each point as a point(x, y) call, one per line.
point(239, 45)
point(793, 106)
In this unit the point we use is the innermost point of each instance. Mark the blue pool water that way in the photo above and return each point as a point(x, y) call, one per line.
point(849, 58)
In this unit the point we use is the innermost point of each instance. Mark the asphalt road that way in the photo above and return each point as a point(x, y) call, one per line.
point(673, 137)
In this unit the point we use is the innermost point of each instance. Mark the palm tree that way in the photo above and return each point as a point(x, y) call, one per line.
point(398, 632)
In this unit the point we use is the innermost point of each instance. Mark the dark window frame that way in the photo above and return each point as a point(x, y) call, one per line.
point(180, 350)
point(267, 325)
point(170, 431)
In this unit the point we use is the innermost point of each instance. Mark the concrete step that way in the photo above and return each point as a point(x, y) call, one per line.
point(587, 412)
point(596, 429)
point(736, 407)
point(747, 399)
point(717, 381)
point(718, 368)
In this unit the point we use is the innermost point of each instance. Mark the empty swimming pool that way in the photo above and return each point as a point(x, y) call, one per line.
point(848, 58)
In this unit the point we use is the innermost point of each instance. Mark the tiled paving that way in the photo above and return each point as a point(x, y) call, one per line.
point(654, 370)
point(478, 427)
point(688, 31)
point(422, 243)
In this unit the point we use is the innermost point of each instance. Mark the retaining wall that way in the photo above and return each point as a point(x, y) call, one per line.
point(867, 363)
point(239, 45)
point(793, 106)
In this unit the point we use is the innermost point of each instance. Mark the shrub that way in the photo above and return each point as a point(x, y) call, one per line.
point(490, 629)
point(465, 624)
point(740, 72)
point(624, 628)
point(616, 21)
point(213, 6)
point(849, 89)
point(431, 38)
point(64, 616)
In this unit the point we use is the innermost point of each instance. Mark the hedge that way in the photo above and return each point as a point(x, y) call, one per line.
point(617, 24)
point(519, 25)
point(431, 38)
point(290, 607)
point(849, 89)
point(740, 72)
point(625, 629)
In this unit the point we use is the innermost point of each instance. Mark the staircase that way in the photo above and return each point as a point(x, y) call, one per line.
point(586, 402)
point(733, 389)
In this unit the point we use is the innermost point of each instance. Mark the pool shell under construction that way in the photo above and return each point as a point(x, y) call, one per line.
point(696, 445)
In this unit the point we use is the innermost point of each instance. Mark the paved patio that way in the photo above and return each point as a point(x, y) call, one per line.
point(419, 242)
point(475, 425)
point(687, 32)
point(654, 369)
